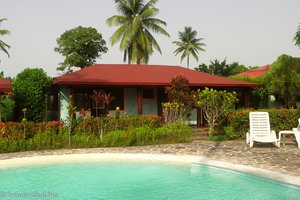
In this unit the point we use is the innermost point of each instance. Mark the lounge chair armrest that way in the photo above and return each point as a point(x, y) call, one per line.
point(273, 133)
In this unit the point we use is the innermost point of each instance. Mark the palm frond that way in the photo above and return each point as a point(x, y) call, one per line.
point(151, 12)
point(154, 21)
point(2, 19)
point(4, 47)
point(153, 41)
point(116, 20)
point(157, 29)
point(297, 37)
point(148, 5)
point(118, 34)
point(135, 26)
point(195, 55)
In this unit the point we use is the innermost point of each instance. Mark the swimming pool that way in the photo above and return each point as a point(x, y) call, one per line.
point(131, 179)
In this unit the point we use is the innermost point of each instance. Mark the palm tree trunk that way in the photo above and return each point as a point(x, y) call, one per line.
point(138, 61)
point(188, 62)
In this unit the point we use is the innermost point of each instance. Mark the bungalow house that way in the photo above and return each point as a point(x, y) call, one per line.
point(5, 86)
point(5, 90)
point(137, 89)
point(258, 72)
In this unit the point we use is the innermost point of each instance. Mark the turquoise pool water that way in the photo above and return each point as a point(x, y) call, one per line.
point(136, 180)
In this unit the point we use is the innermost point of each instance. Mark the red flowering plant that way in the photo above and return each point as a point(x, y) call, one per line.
point(54, 127)
point(97, 96)
point(11, 130)
point(107, 98)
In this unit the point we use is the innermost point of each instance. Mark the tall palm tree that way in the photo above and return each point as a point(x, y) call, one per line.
point(135, 24)
point(3, 45)
point(188, 44)
point(297, 37)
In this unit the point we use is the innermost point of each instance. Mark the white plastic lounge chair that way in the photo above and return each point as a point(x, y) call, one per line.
point(260, 130)
point(295, 131)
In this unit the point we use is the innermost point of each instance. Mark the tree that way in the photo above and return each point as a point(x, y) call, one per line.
point(3, 45)
point(236, 68)
point(216, 67)
point(221, 68)
point(215, 105)
point(30, 88)
point(283, 79)
point(135, 24)
point(80, 46)
point(297, 37)
point(188, 44)
point(180, 98)
point(180, 91)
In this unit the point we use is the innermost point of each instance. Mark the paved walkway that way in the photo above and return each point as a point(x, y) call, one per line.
point(285, 160)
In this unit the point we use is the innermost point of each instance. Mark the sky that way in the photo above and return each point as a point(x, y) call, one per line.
point(251, 32)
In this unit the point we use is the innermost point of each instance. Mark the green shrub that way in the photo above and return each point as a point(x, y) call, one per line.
point(116, 138)
point(30, 88)
point(146, 135)
point(123, 122)
point(53, 135)
point(280, 119)
point(216, 106)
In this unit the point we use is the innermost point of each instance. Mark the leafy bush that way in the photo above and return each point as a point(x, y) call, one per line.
point(283, 80)
point(174, 112)
point(146, 135)
point(215, 105)
point(30, 88)
point(131, 130)
point(280, 119)
point(111, 123)
point(180, 94)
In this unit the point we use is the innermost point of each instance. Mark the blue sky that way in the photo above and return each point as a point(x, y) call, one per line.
point(251, 32)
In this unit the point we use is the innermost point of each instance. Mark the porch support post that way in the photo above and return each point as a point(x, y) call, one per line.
point(140, 100)
point(200, 118)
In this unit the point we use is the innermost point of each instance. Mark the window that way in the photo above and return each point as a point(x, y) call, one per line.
point(99, 106)
point(148, 93)
point(118, 101)
point(82, 100)
point(52, 102)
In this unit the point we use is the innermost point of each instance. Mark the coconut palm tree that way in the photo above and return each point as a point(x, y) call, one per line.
point(297, 37)
point(135, 24)
point(188, 44)
point(3, 45)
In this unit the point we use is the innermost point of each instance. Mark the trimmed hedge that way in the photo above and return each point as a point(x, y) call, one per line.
point(280, 119)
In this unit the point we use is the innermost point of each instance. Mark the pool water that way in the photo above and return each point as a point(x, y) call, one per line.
point(136, 180)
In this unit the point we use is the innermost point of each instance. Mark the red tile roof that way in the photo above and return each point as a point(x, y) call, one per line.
point(142, 75)
point(5, 85)
point(255, 72)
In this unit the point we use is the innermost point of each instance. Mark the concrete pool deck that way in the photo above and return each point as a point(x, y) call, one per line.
point(282, 164)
